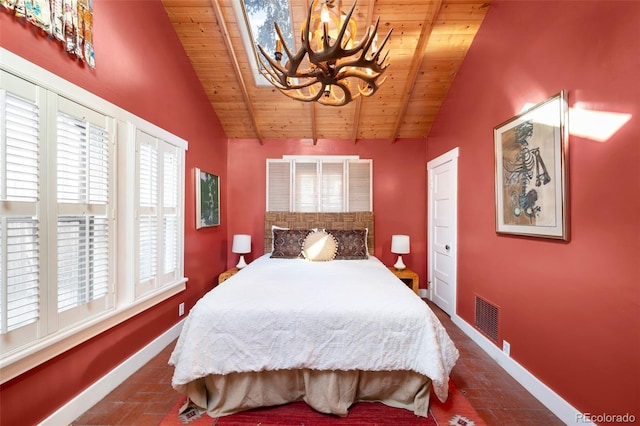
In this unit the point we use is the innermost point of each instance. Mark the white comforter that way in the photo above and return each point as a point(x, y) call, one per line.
point(294, 314)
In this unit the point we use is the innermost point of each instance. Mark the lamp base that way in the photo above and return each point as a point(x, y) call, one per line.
point(241, 263)
point(399, 264)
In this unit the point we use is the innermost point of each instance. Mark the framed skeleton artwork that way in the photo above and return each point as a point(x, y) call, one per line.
point(531, 152)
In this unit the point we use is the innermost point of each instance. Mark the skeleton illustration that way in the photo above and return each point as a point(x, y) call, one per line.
point(520, 172)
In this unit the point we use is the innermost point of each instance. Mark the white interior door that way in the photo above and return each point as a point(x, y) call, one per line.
point(442, 225)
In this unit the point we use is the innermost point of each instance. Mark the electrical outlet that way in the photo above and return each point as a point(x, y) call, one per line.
point(181, 309)
point(506, 348)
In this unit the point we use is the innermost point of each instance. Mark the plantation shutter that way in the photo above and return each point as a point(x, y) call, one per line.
point(332, 187)
point(147, 208)
point(19, 194)
point(170, 210)
point(278, 185)
point(82, 188)
point(360, 185)
point(305, 183)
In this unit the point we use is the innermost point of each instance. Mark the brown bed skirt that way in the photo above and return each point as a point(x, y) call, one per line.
point(331, 392)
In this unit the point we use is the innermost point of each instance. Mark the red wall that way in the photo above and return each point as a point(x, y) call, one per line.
point(140, 66)
point(399, 184)
point(571, 311)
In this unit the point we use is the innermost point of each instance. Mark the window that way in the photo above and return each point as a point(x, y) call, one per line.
point(259, 17)
point(68, 266)
point(158, 196)
point(319, 184)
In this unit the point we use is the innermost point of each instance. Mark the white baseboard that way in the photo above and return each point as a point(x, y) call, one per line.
point(93, 394)
point(558, 406)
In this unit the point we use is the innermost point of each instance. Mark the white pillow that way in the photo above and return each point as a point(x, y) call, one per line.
point(319, 246)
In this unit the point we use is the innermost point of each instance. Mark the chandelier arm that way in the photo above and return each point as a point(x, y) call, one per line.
point(275, 72)
point(343, 29)
point(298, 96)
point(379, 50)
point(330, 52)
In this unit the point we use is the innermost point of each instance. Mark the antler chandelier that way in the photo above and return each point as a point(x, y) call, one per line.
point(337, 69)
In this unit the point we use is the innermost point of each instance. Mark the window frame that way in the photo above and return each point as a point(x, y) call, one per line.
point(122, 215)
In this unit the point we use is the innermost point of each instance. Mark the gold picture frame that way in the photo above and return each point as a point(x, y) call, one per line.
point(531, 152)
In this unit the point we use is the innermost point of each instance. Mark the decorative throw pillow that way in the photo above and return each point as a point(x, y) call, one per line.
point(273, 235)
point(352, 243)
point(319, 246)
point(287, 243)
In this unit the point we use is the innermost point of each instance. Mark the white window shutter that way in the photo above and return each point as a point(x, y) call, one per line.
point(306, 185)
point(82, 188)
point(20, 272)
point(148, 207)
point(278, 185)
point(332, 183)
point(360, 186)
point(170, 210)
point(19, 194)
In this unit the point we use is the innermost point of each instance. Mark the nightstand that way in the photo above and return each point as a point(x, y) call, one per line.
point(227, 274)
point(408, 277)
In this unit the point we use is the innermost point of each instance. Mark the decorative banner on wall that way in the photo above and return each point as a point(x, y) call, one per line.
point(69, 21)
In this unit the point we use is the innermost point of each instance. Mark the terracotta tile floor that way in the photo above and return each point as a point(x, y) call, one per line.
point(146, 397)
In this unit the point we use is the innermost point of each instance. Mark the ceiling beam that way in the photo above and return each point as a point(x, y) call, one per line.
point(314, 127)
point(358, 100)
point(236, 67)
point(416, 62)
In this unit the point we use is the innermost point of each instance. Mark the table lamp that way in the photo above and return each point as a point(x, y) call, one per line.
point(241, 246)
point(400, 246)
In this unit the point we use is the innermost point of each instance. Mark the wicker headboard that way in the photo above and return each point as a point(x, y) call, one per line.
point(357, 220)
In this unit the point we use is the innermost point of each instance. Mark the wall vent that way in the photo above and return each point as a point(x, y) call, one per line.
point(487, 318)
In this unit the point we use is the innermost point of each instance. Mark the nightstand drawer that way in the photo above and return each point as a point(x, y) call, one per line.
point(408, 277)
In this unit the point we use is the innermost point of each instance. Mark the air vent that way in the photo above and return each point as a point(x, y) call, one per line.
point(487, 318)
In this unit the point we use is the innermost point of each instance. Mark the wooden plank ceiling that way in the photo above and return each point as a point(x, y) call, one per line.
point(429, 41)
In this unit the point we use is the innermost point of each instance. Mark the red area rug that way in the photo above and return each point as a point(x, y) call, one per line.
point(456, 411)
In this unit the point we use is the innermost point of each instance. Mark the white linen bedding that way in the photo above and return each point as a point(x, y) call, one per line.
point(284, 314)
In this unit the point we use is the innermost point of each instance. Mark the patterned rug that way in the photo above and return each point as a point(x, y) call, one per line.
point(456, 411)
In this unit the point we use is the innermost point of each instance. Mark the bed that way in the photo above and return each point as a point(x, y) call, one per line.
point(330, 332)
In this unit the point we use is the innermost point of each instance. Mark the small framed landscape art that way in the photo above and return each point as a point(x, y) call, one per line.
point(207, 199)
point(531, 151)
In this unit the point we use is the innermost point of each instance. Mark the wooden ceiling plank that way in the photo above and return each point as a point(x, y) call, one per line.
point(427, 28)
point(234, 60)
point(358, 101)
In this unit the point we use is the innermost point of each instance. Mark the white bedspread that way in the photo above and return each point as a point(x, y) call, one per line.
point(291, 313)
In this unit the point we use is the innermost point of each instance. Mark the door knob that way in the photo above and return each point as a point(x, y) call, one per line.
point(447, 247)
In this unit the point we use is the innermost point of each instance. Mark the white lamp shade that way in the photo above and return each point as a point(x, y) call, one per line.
point(241, 244)
point(400, 244)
